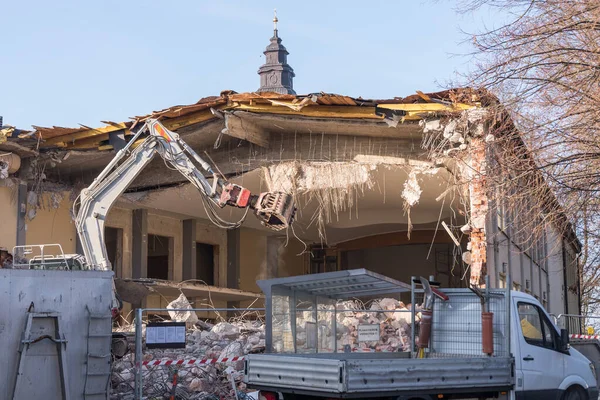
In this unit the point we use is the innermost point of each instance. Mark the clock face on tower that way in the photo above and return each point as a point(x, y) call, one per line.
point(273, 78)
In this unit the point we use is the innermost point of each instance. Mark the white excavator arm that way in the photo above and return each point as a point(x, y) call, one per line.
point(275, 210)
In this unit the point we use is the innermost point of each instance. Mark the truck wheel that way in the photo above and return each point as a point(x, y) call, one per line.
point(575, 393)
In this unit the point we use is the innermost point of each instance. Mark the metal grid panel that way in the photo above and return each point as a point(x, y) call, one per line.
point(457, 326)
point(340, 284)
point(283, 341)
point(306, 324)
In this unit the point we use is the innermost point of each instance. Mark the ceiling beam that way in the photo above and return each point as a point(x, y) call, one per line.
point(242, 128)
point(311, 111)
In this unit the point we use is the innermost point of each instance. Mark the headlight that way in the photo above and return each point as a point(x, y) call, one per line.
point(593, 368)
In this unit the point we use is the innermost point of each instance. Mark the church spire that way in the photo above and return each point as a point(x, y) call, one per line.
point(276, 75)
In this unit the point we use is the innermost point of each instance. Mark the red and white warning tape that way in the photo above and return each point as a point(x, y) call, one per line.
point(596, 337)
point(192, 361)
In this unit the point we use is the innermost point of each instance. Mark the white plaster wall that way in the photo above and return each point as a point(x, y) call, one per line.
point(545, 301)
point(502, 255)
point(515, 265)
point(522, 268)
point(572, 279)
point(556, 296)
point(535, 281)
point(8, 217)
point(53, 225)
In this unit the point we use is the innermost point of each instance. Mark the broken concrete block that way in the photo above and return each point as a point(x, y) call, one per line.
point(182, 316)
point(449, 129)
point(456, 138)
point(253, 340)
point(412, 191)
point(478, 222)
point(32, 198)
point(195, 385)
point(225, 330)
point(428, 126)
point(234, 349)
point(196, 336)
point(3, 170)
point(466, 257)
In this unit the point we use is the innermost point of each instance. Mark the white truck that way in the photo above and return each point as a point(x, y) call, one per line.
point(308, 355)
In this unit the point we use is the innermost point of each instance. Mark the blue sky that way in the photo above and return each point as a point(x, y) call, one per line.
point(66, 63)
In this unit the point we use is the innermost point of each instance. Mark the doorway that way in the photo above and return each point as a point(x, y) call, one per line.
point(205, 263)
point(160, 256)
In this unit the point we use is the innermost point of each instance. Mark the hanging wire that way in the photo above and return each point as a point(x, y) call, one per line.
point(208, 203)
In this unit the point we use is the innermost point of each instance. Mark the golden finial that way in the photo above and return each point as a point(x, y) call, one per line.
point(275, 20)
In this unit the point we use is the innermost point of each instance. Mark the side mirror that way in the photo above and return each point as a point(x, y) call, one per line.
point(564, 340)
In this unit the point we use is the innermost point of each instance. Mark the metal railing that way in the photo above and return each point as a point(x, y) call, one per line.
point(46, 257)
point(578, 324)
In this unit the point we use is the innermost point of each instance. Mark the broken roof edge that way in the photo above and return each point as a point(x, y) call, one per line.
point(449, 100)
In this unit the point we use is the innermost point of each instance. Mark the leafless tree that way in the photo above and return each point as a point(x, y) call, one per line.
point(544, 68)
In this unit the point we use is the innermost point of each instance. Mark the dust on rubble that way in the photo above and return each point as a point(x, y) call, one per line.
point(238, 337)
point(225, 339)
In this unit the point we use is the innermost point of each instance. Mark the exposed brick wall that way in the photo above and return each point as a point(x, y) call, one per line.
point(479, 208)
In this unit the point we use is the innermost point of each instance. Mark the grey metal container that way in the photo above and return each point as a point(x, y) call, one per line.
point(71, 294)
point(591, 349)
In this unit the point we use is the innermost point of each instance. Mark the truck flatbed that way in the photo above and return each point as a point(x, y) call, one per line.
point(356, 375)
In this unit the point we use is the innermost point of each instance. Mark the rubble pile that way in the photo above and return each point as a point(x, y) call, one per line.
point(8, 261)
point(390, 315)
point(210, 381)
point(393, 318)
point(238, 337)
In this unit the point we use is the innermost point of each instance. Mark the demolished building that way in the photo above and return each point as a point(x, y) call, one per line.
point(411, 186)
point(397, 186)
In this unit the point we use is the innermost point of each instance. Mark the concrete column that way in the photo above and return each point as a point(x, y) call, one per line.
point(139, 249)
point(233, 263)
point(189, 249)
point(21, 214)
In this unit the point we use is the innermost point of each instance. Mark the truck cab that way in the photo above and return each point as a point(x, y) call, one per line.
point(546, 367)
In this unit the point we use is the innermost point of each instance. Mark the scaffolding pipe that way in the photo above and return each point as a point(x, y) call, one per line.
point(138, 353)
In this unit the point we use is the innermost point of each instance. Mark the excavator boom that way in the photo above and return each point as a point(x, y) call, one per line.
point(275, 210)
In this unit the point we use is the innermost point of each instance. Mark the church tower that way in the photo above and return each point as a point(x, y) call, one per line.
point(276, 75)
